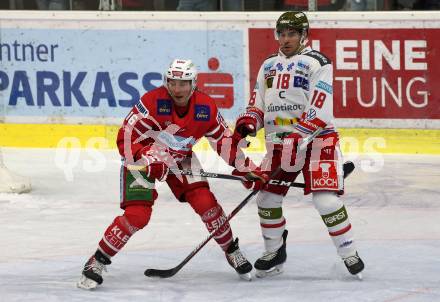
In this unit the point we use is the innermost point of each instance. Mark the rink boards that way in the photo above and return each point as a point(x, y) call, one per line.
point(353, 140)
point(69, 78)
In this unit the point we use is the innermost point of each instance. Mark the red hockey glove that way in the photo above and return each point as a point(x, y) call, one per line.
point(246, 125)
point(253, 178)
point(156, 161)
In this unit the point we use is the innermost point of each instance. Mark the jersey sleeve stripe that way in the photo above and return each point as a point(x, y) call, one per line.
point(213, 131)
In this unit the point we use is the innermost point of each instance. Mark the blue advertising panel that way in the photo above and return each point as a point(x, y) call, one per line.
point(77, 73)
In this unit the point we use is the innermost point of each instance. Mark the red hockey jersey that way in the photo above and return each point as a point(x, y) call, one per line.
point(154, 120)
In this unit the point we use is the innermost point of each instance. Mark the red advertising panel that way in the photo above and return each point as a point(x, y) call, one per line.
point(378, 73)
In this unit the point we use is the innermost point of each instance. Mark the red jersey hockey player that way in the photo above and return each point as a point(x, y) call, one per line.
point(159, 133)
point(293, 100)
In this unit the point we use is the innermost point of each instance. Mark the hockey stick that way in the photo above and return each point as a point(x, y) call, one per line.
point(202, 173)
point(167, 273)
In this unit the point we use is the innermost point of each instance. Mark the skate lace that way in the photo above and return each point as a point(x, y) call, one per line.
point(267, 256)
point(352, 260)
point(96, 266)
point(237, 258)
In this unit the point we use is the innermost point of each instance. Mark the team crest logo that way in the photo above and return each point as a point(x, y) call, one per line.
point(311, 114)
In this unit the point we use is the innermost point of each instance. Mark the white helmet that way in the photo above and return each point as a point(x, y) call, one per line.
point(183, 70)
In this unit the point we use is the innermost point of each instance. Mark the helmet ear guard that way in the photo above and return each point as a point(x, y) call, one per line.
point(183, 70)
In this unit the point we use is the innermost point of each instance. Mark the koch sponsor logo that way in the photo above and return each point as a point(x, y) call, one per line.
point(325, 182)
point(283, 107)
point(325, 169)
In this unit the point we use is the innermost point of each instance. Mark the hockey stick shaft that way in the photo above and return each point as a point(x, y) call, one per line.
point(166, 273)
point(202, 173)
point(172, 271)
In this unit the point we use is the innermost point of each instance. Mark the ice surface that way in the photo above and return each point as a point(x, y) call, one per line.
point(47, 236)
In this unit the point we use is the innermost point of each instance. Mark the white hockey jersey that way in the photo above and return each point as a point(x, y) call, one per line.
point(294, 94)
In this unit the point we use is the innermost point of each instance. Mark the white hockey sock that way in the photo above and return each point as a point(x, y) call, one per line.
point(272, 221)
point(335, 217)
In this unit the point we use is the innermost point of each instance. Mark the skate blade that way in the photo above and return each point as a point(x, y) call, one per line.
point(276, 270)
point(359, 276)
point(86, 283)
point(247, 276)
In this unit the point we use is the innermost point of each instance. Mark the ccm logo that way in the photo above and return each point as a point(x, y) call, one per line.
point(280, 182)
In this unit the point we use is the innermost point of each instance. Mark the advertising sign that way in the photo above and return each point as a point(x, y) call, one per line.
point(384, 73)
point(62, 74)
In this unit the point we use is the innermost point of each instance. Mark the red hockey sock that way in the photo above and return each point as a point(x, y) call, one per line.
point(116, 236)
point(123, 227)
point(212, 214)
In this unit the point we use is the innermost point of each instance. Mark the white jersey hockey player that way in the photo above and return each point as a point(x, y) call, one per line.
point(293, 101)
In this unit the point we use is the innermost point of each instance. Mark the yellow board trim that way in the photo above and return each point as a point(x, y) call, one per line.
point(353, 140)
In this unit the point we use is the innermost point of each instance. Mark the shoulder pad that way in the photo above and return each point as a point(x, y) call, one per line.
point(320, 57)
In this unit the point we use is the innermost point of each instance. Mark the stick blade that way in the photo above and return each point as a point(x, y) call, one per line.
point(160, 273)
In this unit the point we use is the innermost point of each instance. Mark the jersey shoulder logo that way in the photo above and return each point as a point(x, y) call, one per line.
point(163, 107)
point(320, 57)
point(142, 109)
point(202, 113)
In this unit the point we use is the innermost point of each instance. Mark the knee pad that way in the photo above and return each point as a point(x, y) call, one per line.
point(201, 200)
point(269, 200)
point(326, 202)
point(138, 216)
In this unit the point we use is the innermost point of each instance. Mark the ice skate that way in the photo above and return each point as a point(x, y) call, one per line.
point(238, 261)
point(271, 263)
point(92, 273)
point(355, 265)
